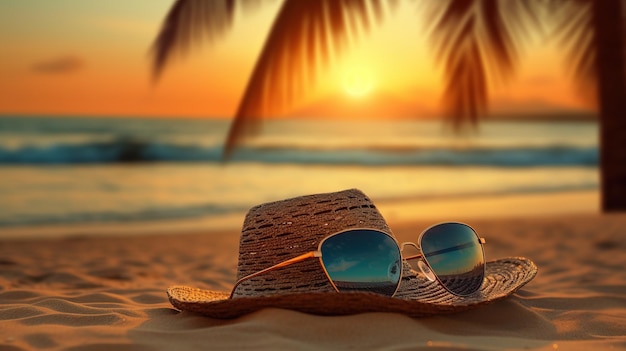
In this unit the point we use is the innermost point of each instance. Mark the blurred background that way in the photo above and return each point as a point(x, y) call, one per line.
point(91, 143)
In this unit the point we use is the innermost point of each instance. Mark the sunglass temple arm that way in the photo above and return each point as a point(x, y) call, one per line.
point(290, 261)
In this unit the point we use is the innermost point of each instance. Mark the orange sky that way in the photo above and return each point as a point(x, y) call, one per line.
point(81, 57)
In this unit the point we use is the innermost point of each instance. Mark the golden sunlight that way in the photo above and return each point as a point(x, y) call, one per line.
point(358, 82)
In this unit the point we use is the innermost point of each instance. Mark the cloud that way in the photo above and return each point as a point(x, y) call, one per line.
point(341, 266)
point(59, 65)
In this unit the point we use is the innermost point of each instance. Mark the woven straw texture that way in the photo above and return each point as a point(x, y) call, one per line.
point(277, 231)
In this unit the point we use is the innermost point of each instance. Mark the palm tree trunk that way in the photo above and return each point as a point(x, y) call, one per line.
point(609, 39)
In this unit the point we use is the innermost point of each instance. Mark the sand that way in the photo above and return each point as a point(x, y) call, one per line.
point(108, 293)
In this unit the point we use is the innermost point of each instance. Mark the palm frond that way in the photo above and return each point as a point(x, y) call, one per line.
point(303, 38)
point(189, 23)
point(478, 42)
point(576, 33)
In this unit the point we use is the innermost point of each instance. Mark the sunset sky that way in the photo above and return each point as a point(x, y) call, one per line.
point(87, 57)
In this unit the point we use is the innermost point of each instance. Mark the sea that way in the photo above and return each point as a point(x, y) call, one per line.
point(101, 175)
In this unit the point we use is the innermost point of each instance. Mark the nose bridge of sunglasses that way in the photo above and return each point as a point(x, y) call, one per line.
point(416, 260)
point(411, 254)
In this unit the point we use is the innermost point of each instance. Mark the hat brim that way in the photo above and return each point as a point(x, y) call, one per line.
point(417, 297)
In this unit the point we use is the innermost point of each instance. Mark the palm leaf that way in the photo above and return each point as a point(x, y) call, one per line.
point(478, 42)
point(576, 33)
point(302, 40)
point(189, 23)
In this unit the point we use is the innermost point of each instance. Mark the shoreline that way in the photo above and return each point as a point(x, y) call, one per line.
point(493, 207)
point(434, 209)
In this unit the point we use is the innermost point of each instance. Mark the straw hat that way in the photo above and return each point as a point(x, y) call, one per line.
point(277, 231)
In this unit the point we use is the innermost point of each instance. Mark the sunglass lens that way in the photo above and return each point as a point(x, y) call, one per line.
point(454, 253)
point(363, 260)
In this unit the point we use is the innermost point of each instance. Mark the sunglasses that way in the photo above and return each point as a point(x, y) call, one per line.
point(370, 260)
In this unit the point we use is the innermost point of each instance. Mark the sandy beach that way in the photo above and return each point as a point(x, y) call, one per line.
point(108, 293)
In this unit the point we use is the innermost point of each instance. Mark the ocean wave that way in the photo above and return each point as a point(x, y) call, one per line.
point(135, 150)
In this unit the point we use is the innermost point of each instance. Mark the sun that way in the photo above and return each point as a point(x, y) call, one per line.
point(358, 83)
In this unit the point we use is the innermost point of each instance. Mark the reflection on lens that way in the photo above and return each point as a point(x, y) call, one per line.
point(454, 253)
point(363, 260)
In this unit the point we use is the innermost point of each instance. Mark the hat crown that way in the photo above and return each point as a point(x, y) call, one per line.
point(277, 231)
